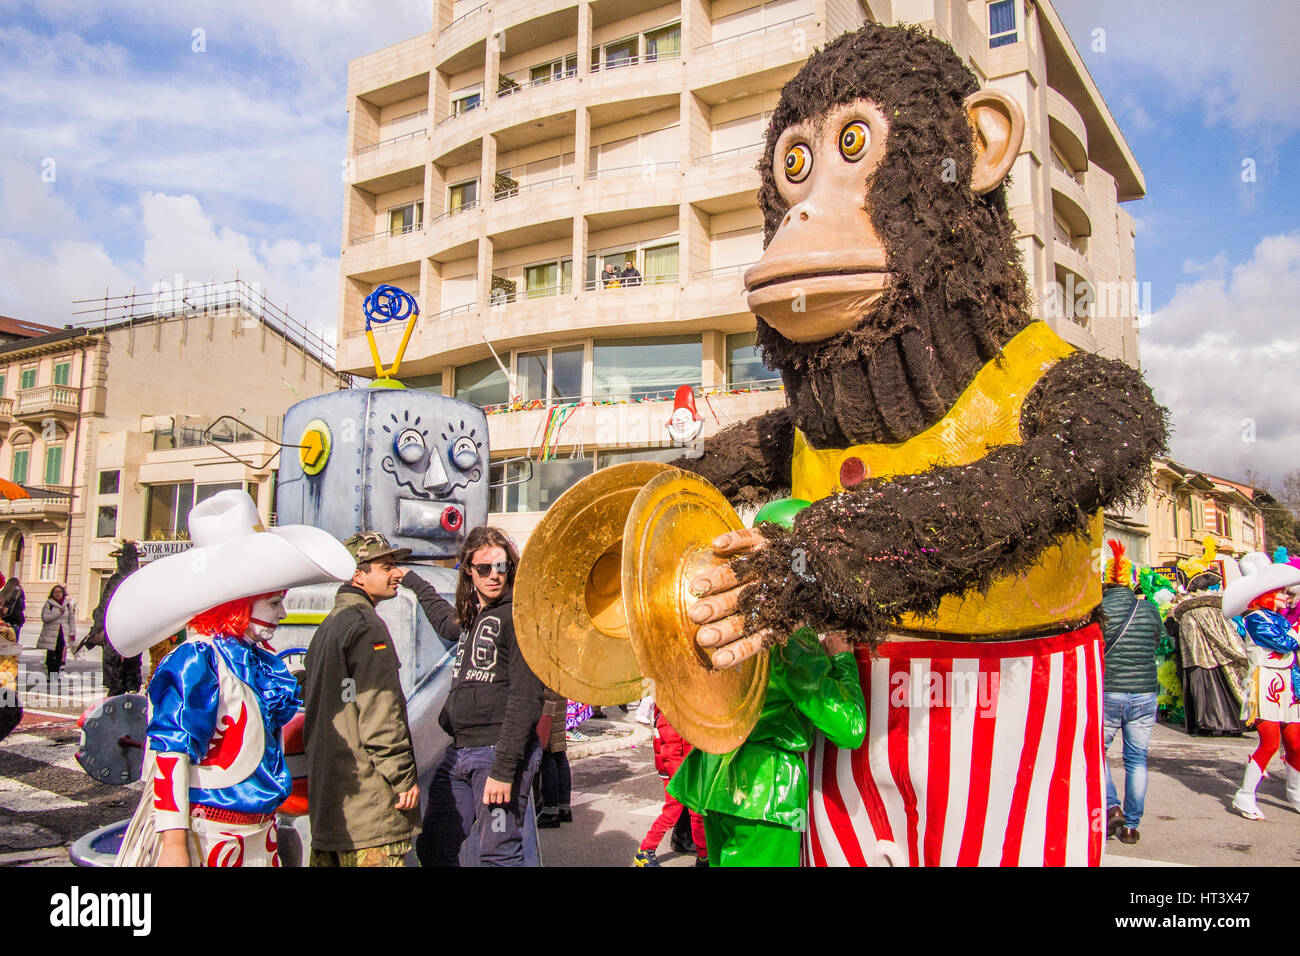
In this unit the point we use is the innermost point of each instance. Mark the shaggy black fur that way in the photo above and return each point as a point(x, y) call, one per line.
point(888, 547)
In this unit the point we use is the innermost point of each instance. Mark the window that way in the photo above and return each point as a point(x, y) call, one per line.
point(550, 375)
point(110, 482)
point(462, 195)
point(633, 368)
point(482, 383)
point(1002, 23)
point(48, 561)
point(548, 278)
point(61, 372)
point(204, 492)
point(167, 511)
point(28, 379)
point(550, 480)
point(22, 457)
point(54, 465)
point(465, 100)
point(2, 385)
point(621, 52)
point(555, 70)
point(661, 264)
point(744, 364)
point(666, 42)
point(404, 219)
point(425, 383)
point(106, 522)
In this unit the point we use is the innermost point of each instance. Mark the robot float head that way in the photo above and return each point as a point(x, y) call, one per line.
point(408, 464)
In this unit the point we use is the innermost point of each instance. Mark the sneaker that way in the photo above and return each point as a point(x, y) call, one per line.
point(701, 861)
point(566, 815)
point(644, 858)
point(1128, 835)
point(575, 737)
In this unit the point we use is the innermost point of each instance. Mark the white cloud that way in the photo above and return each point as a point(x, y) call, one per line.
point(1224, 356)
point(1238, 60)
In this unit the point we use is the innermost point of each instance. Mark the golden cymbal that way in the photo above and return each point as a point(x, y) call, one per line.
point(568, 600)
point(669, 529)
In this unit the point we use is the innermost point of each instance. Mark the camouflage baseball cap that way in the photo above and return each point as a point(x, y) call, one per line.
point(371, 546)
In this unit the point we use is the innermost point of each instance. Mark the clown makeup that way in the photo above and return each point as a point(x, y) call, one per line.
point(268, 611)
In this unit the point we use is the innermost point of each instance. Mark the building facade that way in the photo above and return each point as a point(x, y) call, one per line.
point(1182, 508)
point(117, 427)
point(499, 162)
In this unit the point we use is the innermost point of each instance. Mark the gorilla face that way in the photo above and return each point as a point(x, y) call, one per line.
point(408, 464)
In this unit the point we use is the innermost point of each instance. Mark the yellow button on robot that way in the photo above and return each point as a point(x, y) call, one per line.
point(314, 447)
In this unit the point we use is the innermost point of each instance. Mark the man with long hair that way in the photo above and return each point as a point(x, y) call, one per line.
point(492, 709)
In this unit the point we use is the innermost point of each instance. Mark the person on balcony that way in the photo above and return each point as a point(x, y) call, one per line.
point(630, 276)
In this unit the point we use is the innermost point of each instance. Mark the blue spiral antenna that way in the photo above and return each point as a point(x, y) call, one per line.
point(387, 303)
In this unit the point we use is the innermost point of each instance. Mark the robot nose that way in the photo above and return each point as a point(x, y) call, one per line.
point(435, 478)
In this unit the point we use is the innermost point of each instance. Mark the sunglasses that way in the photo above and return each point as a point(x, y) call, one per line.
point(483, 570)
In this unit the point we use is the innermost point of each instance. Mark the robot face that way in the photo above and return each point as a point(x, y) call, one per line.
point(409, 464)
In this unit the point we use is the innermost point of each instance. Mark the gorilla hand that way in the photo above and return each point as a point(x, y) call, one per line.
point(722, 634)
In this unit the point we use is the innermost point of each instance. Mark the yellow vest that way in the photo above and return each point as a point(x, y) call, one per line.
point(1063, 587)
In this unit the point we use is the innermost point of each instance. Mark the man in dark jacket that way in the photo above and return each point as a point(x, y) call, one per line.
point(121, 674)
point(491, 712)
point(1131, 632)
point(361, 775)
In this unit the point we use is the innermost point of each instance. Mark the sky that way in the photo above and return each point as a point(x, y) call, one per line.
point(140, 141)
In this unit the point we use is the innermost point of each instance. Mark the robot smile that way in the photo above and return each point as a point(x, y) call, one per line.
point(420, 518)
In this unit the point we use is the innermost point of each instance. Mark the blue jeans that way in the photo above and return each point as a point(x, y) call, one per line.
point(456, 805)
point(1135, 714)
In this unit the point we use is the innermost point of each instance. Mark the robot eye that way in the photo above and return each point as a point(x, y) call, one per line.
point(409, 446)
point(463, 453)
point(853, 140)
point(798, 163)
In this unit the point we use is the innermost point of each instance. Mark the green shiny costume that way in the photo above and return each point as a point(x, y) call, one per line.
point(755, 798)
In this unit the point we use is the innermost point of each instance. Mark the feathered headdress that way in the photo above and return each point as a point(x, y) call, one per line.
point(1194, 566)
point(1119, 569)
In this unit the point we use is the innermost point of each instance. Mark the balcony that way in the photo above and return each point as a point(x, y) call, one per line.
point(6, 413)
point(58, 401)
point(723, 69)
point(388, 233)
point(47, 503)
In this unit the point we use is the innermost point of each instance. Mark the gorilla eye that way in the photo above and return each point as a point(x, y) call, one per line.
point(798, 163)
point(463, 453)
point(854, 139)
point(409, 446)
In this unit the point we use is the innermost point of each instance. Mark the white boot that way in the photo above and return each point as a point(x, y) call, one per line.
point(1243, 801)
point(1293, 787)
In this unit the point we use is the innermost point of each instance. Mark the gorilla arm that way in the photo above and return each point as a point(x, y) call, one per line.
point(858, 559)
point(748, 462)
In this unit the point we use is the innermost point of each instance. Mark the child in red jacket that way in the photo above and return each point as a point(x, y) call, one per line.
point(670, 750)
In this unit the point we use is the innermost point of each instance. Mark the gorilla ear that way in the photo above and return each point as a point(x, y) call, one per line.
point(999, 129)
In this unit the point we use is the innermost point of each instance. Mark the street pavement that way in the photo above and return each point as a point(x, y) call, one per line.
point(47, 802)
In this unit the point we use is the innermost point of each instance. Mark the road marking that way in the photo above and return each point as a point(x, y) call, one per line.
point(44, 750)
point(18, 797)
point(1114, 859)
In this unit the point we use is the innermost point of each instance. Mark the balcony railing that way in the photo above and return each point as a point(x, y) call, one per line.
point(636, 281)
point(401, 138)
point(634, 59)
point(782, 25)
point(726, 153)
point(723, 271)
point(502, 194)
point(48, 398)
point(1058, 165)
point(501, 297)
point(464, 16)
point(6, 409)
point(460, 112)
point(404, 231)
point(521, 85)
point(653, 166)
point(463, 207)
point(454, 310)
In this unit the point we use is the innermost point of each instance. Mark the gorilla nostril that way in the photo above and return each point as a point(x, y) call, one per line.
point(803, 217)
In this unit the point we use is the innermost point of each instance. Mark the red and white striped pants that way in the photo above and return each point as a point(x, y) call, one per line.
point(975, 755)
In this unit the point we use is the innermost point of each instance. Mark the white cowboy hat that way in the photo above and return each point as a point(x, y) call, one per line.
point(1259, 575)
point(233, 556)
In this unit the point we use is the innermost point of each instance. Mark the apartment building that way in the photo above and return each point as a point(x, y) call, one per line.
point(499, 162)
point(117, 426)
point(1183, 506)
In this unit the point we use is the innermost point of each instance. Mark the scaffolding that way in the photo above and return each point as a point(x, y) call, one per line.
point(191, 299)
